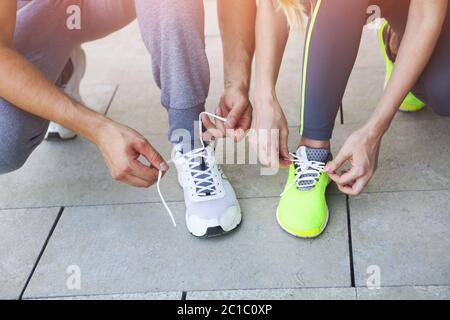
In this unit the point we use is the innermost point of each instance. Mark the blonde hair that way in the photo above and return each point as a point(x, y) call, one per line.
point(294, 10)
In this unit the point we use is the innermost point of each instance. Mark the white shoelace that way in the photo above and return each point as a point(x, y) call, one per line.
point(202, 178)
point(191, 157)
point(307, 173)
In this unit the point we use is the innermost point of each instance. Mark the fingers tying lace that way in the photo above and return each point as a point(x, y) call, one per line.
point(201, 178)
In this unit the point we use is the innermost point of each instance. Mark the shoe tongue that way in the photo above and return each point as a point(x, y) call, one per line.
point(313, 154)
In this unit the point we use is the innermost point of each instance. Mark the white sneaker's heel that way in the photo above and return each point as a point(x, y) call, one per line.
point(72, 89)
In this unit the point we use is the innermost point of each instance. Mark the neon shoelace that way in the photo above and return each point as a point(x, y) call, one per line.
point(306, 173)
point(202, 179)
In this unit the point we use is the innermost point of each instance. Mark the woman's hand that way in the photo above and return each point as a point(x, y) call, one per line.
point(269, 138)
point(362, 150)
point(121, 147)
point(270, 135)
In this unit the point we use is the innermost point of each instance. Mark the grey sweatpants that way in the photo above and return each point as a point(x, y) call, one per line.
point(173, 32)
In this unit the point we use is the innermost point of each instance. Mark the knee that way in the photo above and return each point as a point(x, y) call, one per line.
point(11, 159)
point(15, 149)
point(14, 153)
point(20, 134)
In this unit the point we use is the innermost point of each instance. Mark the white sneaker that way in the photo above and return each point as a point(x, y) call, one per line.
point(71, 88)
point(211, 205)
point(57, 131)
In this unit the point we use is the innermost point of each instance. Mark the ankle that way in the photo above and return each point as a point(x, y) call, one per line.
point(317, 144)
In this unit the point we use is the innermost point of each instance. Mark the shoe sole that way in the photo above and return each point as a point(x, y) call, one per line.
point(304, 237)
point(411, 111)
point(57, 136)
point(218, 231)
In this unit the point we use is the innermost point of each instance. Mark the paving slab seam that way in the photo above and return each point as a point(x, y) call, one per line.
point(405, 191)
point(134, 203)
point(274, 288)
point(47, 240)
point(274, 293)
point(111, 100)
point(401, 292)
point(185, 294)
point(409, 286)
point(350, 243)
point(105, 295)
point(179, 201)
point(29, 208)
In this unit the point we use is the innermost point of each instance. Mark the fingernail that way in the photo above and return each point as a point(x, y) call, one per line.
point(164, 166)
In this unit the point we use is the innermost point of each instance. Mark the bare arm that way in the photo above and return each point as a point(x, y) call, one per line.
point(27, 88)
point(425, 22)
point(237, 28)
point(272, 32)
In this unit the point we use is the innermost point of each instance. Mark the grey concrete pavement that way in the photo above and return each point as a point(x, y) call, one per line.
point(135, 248)
point(405, 234)
point(23, 235)
point(126, 248)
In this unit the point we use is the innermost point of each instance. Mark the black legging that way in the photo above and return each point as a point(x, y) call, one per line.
point(332, 42)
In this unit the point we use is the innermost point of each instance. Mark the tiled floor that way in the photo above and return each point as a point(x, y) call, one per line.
point(63, 209)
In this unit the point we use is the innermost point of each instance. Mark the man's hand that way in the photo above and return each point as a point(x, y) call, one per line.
point(121, 147)
point(270, 134)
point(235, 106)
point(362, 150)
point(237, 30)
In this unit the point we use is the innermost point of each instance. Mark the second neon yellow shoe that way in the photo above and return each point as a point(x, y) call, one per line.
point(411, 102)
point(303, 210)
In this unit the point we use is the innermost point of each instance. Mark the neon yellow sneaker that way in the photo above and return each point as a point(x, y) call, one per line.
point(411, 102)
point(303, 210)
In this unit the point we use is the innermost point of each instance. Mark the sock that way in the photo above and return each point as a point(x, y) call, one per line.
point(183, 125)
